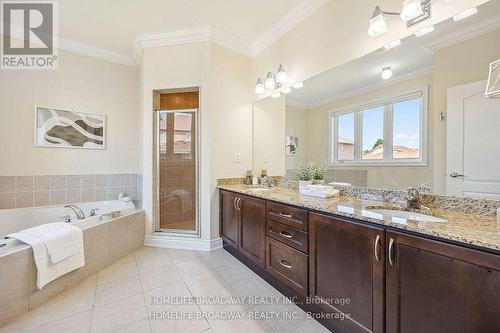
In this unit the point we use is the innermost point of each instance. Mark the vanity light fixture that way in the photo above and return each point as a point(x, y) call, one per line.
point(270, 82)
point(259, 87)
point(413, 12)
point(298, 85)
point(281, 74)
point(386, 73)
point(392, 45)
point(425, 31)
point(466, 13)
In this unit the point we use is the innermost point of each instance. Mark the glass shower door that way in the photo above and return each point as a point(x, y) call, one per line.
point(177, 163)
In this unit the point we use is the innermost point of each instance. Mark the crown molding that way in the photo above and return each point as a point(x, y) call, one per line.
point(290, 20)
point(296, 104)
point(464, 34)
point(338, 97)
point(95, 52)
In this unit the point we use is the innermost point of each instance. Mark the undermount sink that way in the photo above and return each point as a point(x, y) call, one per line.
point(407, 215)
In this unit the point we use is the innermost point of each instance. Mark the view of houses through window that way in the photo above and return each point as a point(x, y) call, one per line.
point(360, 135)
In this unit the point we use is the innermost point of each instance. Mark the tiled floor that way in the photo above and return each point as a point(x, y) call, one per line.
point(139, 292)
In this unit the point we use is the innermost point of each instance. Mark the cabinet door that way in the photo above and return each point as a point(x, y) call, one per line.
point(346, 262)
point(437, 287)
point(253, 229)
point(229, 218)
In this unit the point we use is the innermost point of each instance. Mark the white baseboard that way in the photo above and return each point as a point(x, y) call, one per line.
point(186, 243)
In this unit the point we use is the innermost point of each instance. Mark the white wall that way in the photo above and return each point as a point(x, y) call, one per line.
point(81, 83)
point(224, 78)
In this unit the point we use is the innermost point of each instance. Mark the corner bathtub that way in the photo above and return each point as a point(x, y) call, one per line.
point(105, 242)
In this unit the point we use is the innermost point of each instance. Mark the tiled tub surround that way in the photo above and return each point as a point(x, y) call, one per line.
point(481, 230)
point(36, 191)
point(105, 243)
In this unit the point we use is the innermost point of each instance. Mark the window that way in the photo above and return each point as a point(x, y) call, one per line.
point(391, 131)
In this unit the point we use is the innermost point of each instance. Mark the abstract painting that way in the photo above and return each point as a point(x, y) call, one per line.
point(292, 144)
point(68, 129)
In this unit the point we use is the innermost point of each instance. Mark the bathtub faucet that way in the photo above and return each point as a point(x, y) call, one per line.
point(78, 211)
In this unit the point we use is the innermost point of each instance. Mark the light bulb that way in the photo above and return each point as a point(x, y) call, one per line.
point(298, 85)
point(425, 31)
point(270, 82)
point(378, 25)
point(411, 9)
point(386, 73)
point(259, 87)
point(466, 13)
point(281, 75)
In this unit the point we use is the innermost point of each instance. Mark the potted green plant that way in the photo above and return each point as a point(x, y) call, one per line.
point(318, 174)
point(304, 174)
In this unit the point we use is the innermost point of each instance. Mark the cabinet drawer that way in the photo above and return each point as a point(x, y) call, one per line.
point(294, 217)
point(288, 235)
point(287, 264)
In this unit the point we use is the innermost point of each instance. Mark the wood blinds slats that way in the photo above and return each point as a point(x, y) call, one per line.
point(179, 101)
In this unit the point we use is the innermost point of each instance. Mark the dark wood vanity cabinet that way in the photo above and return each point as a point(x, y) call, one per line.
point(432, 286)
point(243, 225)
point(347, 262)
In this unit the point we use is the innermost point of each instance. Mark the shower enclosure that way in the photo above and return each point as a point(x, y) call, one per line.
point(176, 148)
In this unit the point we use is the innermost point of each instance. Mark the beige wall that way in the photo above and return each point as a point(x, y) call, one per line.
point(455, 65)
point(297, 125)
point(226, 116)
point(336, 33)
point(269, 136)
point(387, 176)
point(81, 83)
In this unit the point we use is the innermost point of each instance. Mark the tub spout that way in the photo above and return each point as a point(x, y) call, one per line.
point(78, 211)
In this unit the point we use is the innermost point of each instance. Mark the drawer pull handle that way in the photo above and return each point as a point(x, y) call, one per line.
point(377, 247)
point(391, 245)
point(234, 203)
point(285, 263)
point(285, 234)
point(286, 215)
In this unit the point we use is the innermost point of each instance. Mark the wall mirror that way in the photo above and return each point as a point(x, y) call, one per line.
point(414, 115)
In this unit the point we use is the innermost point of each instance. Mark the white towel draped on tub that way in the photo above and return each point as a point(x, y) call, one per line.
point(57, 249)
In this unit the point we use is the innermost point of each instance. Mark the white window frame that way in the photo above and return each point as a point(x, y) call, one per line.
point(387, 103)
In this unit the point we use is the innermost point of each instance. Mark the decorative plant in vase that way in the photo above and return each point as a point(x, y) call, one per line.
point(318, 174)
point(304, 173)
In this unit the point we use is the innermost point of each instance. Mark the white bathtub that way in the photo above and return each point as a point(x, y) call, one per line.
point(14, 220)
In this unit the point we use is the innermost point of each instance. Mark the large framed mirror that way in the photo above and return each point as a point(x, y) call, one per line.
point(412, 115)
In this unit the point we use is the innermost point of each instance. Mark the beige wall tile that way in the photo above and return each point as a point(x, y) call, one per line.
point(24, 183)
point(24, 199)
point(42, 198)
point(7, 184)
point(15, 284)
point(73, 182)
point(73, 196)
point(88, 181)
point(58, 197)
point(57, 183)
point(113, 180)
point(87, 194)
point(100, 181)
point(101, 194)
point(42, 183)
point(7, 200)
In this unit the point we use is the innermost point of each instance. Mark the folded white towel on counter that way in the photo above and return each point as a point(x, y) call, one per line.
point(66, 247)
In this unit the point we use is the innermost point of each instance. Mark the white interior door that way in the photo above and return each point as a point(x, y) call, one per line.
point(473, 142)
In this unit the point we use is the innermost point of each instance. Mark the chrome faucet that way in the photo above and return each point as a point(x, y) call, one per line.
point(413, 198)
point(78, 211)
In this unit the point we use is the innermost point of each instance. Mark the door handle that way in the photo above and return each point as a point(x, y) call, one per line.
point(377, 248)
point(286, 215)
point(285, 263)
point(391, 245)
point(285, 234)
point(456, 175)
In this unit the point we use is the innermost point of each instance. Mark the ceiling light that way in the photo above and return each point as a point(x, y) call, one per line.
point(425, 31)
point(386, 73)
point(466, 13)
point(281, 75)
point(378, 25)
point(286, 90)
point(270, 82)
point(411, 9)
point(298, 85)
point(275, 94)
point(394, 44)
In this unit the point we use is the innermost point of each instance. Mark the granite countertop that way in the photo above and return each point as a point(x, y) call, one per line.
point(474, 229)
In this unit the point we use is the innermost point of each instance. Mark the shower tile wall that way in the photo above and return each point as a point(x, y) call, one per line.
point(35, 191)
